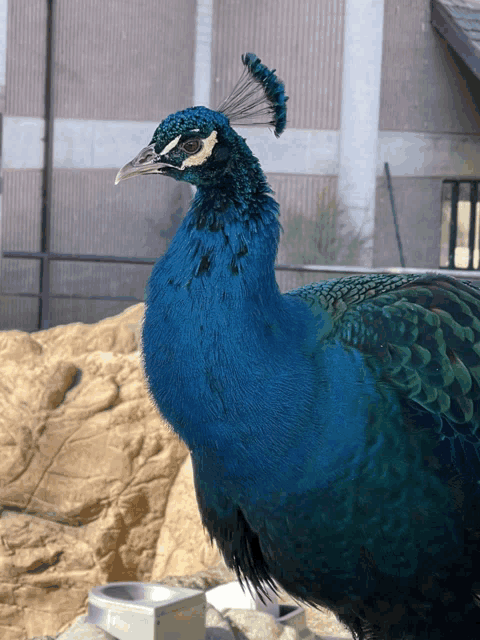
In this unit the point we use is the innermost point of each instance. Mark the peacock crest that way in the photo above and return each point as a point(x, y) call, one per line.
point(257, 98)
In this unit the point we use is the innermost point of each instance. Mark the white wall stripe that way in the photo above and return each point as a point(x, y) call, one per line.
point(22, 143)
point(429, 154)
point(296, 151)
point(203, 53)
point(360, 108)
point(99, 144)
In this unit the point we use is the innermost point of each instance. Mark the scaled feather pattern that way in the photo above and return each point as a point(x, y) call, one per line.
point(334, 429)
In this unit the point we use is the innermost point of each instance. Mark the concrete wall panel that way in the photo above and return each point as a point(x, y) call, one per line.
point(308, 223)
point(425, 87)
point(26, 51)
point(419, 214)
point(114, 59)
point(303, 40)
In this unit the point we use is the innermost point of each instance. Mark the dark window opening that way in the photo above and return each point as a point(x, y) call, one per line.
point(460, 237)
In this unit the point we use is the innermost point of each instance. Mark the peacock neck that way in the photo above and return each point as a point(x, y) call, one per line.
point(216, 324)
point(223, 249)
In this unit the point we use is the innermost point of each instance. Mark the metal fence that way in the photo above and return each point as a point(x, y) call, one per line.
point(462, 224)
point(45, 295)
point(45, 255)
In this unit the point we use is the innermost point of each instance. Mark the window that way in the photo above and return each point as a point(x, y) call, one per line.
point(460, 241)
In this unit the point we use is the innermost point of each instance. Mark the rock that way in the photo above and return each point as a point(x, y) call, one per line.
point(257, 625)
point(183, 547)
point(205, 579)
point(84, 630)
point(94, 484)
point(235, 624)
point(218, 628)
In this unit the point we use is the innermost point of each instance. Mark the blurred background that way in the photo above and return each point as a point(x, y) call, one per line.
point(378, 166)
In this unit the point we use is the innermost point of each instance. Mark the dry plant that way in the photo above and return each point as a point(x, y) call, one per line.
point(324, 239)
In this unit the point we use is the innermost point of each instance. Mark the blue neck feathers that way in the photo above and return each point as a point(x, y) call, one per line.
point(229, 252)
point(214, 313)
point(222, 346)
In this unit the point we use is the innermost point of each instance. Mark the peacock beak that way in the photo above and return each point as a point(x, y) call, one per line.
point(145, 162)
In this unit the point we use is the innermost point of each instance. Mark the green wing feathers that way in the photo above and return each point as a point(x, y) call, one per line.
point(421, 333)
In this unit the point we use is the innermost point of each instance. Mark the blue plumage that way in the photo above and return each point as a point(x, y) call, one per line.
point(334, 429)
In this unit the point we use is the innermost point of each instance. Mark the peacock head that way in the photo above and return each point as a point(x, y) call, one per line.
point(199, 145)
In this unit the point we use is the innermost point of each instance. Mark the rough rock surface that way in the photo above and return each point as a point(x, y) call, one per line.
point(94, 485)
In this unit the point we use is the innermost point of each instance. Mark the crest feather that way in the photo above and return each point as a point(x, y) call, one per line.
point(257, 98)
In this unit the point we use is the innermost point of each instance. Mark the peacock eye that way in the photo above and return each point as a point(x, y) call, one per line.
point(192, 146)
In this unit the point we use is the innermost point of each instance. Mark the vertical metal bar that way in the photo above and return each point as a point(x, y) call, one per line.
point(394, 213)
point(44, 300)
point(471, 231)
point(453, 224)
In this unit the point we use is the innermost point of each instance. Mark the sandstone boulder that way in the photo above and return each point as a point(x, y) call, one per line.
point(94, 485)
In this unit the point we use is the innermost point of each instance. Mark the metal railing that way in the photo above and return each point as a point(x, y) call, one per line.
point(45, 294)
point(461, 274)
point(455, 199)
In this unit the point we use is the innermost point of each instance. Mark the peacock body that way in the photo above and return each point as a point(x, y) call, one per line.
point(333, 429)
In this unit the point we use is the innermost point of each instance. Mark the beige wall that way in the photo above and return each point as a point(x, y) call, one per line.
point(423, 88)
point(115, 59)
point(418, 207)
point(118, 60)
point(303, 39)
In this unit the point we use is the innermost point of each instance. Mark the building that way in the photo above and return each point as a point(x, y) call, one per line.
point(370, 82)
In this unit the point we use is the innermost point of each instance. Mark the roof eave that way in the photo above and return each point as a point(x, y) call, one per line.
point(446, 25)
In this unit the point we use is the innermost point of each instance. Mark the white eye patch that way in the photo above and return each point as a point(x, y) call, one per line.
point(204, 153)
point(171, 145)
point(199, 157)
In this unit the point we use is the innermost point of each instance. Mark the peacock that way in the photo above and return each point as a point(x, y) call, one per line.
point(334, 429)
